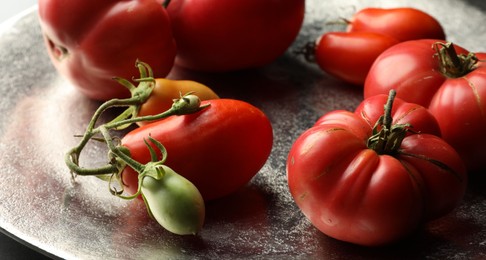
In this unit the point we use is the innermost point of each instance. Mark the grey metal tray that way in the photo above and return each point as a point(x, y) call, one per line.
point(40, 206)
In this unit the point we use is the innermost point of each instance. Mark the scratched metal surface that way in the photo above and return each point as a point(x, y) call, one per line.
point(40, 206)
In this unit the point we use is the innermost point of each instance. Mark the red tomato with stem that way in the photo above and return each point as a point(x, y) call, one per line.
point(374, 185)
point(349, 56)
point(215, 35)
point(219, 149)
point(404, 23)
point(447, 79)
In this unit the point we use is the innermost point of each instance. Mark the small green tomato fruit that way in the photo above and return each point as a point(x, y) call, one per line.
point(174, 202)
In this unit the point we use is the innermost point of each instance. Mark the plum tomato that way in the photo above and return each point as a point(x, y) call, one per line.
point(219, 148)
point(403, 23)
point(349, 56)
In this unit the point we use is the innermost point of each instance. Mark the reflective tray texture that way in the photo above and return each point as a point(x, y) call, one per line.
point(41, 206)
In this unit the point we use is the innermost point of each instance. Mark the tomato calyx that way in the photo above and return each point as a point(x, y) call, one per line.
point(451, 64)
point(388, 137)
point(174, 202)
point(153, 168)
point(166, 3)
point(307, 51)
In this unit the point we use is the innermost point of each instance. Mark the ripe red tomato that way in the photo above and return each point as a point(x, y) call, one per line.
point(349, 56)
point(219, 149)
point(215, 35)
point(454, 94)
point(355, 191)
point(403, 24)
point(91, 41)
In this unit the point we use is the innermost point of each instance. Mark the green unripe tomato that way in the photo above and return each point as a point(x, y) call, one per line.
point(174, 202)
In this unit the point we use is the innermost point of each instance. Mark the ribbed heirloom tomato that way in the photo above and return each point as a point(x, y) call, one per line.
point(447, 79)
point(219, 149)
point(370, 180)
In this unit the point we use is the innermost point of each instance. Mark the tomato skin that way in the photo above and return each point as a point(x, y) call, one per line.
point(349, 56)
point(443, 190)
point(219, 149)
point(457, 103)
point(166, 90)
point(354, 194)
point(405, 67)
point(215, 35)
point(174, 202)
point(403, 24)
point(460, 109)
point(418, 117)
point(90, 42)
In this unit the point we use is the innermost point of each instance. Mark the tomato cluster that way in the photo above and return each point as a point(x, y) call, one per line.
point(373, 176)
point(183, 154)
point(369, 177)
point(90, 43)
point(447, 79)
point(372, 180)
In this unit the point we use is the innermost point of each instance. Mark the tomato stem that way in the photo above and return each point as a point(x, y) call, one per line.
point(308, 51)
point(387, 138)
point(451, 64)
point(186, 104)
point(166, 3)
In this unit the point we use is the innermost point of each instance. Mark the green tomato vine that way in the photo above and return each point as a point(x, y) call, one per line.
point(119, 156)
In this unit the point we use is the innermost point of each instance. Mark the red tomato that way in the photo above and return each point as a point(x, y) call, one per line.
point(460, 108)
point(403, 24)
point(219, 149)
point(92, 41)
point(454, 94)
point(215, 35)
point(349, 56)
point(372, 196)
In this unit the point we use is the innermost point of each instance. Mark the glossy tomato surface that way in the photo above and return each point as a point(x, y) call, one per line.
point(355, 194)
point(403, 23)
point(460, 108)
point(91, 41)
point(215, 35)
point(349, 56)
point(219, 149)
point(458, 103)
point(411, 68)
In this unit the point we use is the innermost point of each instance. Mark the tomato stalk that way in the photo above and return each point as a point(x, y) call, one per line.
point(186, 104)
point(451, 64)
point(308, 51)
point(151, 168)
point(387, 138)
